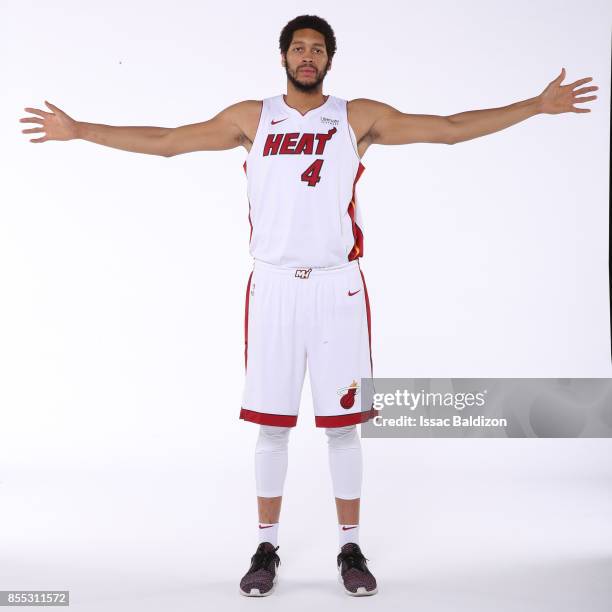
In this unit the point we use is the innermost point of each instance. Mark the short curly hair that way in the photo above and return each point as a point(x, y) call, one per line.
point(308, 21)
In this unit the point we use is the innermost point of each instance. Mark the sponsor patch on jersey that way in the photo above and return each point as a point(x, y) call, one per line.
point(329, 121)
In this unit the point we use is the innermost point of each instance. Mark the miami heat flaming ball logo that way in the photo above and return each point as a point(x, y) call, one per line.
point(348, 395)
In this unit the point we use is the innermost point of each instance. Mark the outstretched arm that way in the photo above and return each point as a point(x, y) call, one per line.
point(226, 130)
point(382, 124)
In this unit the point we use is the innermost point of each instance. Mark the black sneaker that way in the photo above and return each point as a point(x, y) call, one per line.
point(353, 572)
point(261, 578)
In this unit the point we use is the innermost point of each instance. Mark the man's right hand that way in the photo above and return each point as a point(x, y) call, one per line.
point(236, 125)
point(56, 125)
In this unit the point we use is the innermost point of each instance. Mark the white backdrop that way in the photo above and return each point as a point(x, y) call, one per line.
point(123, 279)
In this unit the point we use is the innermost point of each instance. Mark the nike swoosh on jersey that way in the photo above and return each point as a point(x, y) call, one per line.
point(274, 122)
point(354, 292)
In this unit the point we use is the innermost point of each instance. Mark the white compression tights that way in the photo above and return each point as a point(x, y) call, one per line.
point(345, 460)
point(271, 460)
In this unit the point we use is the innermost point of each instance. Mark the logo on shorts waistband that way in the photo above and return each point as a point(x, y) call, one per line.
point(303, 272)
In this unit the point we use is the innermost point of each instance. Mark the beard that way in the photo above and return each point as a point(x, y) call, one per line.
point(310, 86)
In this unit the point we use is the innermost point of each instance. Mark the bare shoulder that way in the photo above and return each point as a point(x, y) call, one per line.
point(245, 114)
point(365, 106)
point(245, 108)
point(362, 115)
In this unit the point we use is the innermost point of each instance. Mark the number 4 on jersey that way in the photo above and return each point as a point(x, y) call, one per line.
point(312, 174)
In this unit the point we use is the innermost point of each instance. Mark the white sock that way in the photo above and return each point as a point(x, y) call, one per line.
point(348, 533)
point(268, 532)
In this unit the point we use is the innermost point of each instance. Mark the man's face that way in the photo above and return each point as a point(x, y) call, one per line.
point(306, 62)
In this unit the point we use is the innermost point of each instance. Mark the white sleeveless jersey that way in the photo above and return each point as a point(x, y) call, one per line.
point(301, 176)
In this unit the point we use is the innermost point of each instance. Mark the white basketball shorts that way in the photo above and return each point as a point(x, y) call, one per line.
point(295, 316)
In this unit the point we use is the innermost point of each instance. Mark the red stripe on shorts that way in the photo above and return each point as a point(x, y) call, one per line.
point(246, 320)
point(265, 418)
point(367, 301)
point(340, 420)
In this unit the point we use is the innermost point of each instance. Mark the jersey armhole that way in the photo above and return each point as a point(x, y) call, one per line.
point(352, 136)
point(259, 124)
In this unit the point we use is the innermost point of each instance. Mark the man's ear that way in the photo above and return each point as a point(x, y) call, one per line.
point(283, 60)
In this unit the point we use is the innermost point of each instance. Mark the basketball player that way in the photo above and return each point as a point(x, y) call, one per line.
point(306, 297)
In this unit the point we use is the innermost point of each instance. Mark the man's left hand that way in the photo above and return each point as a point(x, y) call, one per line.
point(557, 98)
